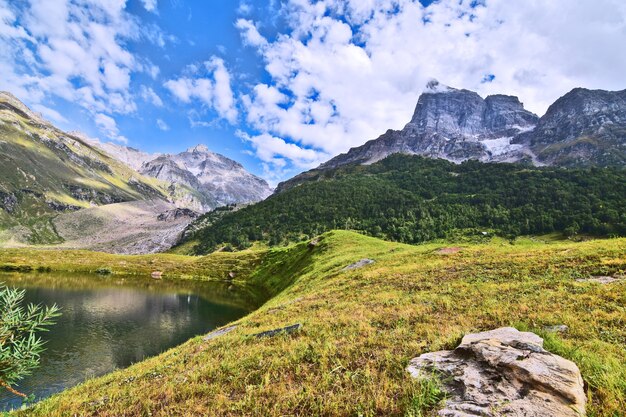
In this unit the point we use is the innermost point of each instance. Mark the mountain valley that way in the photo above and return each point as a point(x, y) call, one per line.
point(56, 186)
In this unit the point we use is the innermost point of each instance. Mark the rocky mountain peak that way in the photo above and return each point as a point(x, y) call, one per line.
point(214, 180)
point(462, 113)
point(504, 112)
point(198, 178)
point(435, 87)
point(200, 148)
point(453, 112)
point(584, 127)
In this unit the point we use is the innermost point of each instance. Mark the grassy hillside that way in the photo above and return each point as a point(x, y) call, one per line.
point(361, 327)
point(44, 171)
point(412, 199)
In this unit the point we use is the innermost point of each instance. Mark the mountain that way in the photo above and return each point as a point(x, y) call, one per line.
point(412, 199)
point(217, 180)
point(583, 128)
point(45, 171)
point(198, 179)
point(132, 157)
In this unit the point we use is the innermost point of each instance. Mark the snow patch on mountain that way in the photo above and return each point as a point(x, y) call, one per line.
point(501, 146)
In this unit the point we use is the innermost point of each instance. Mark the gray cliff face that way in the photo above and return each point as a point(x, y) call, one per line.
point(452, 124)
point(213, 179)
point(583, 128)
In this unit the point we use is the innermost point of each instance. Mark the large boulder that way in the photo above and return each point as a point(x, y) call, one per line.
point(504, 372)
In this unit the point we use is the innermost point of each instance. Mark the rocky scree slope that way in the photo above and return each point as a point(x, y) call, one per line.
point(583, 128)
point(45, 171)
point(133, 227)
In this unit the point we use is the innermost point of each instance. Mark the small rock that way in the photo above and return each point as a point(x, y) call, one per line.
point(599, 280)
point(176, 214)
point(359, 264)
point(557, 328)
point(156, 274)
point(271, 333)
point(504, 372)
point(231, 275)
point(217, 333)
point(314, 243)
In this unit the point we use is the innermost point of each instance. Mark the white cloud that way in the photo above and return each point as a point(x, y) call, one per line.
point(245, 8)
point(49, 113)
point(344, 72)
point(279, 158)
point(150, 5)
point(213, 89)
point(73, 49)
point(224, 100)
point(109, 127)
point(270, 149)
point(150, 96)
point(250, 33)
point(162, 125)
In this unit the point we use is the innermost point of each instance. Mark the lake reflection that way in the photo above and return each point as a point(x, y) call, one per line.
point(112, 322)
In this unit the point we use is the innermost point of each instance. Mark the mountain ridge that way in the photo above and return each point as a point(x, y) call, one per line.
point(582, 128)
point(198, 178)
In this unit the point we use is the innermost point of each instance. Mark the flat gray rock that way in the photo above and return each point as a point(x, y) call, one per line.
point(359, 264)
point(271, 333)
point(557, 328)
point(599, 280)
point(504, 372)
point(218, 333)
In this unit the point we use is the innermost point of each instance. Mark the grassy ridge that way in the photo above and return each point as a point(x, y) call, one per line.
point(361, 327)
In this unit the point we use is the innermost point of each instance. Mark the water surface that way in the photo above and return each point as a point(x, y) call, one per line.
point(109, 323)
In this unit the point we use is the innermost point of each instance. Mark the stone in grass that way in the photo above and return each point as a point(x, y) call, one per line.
point(504, 372)
point(314, 243)
point(272, 333)
point(217, 333)
point(599, 280)
point(557, 328)
point(359, 264)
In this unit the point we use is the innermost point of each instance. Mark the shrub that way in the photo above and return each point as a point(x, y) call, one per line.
point(20, 347)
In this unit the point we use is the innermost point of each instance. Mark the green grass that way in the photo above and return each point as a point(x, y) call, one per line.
point(361, 327)
point(216, 266)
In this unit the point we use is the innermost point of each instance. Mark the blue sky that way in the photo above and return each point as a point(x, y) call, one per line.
point(284, 85)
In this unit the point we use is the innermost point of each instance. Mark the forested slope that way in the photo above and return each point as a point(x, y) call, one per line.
point(413, 199)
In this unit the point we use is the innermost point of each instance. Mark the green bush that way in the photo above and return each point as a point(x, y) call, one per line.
point(20, 347)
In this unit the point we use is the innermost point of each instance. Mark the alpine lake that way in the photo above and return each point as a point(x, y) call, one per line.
point(111, 322)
